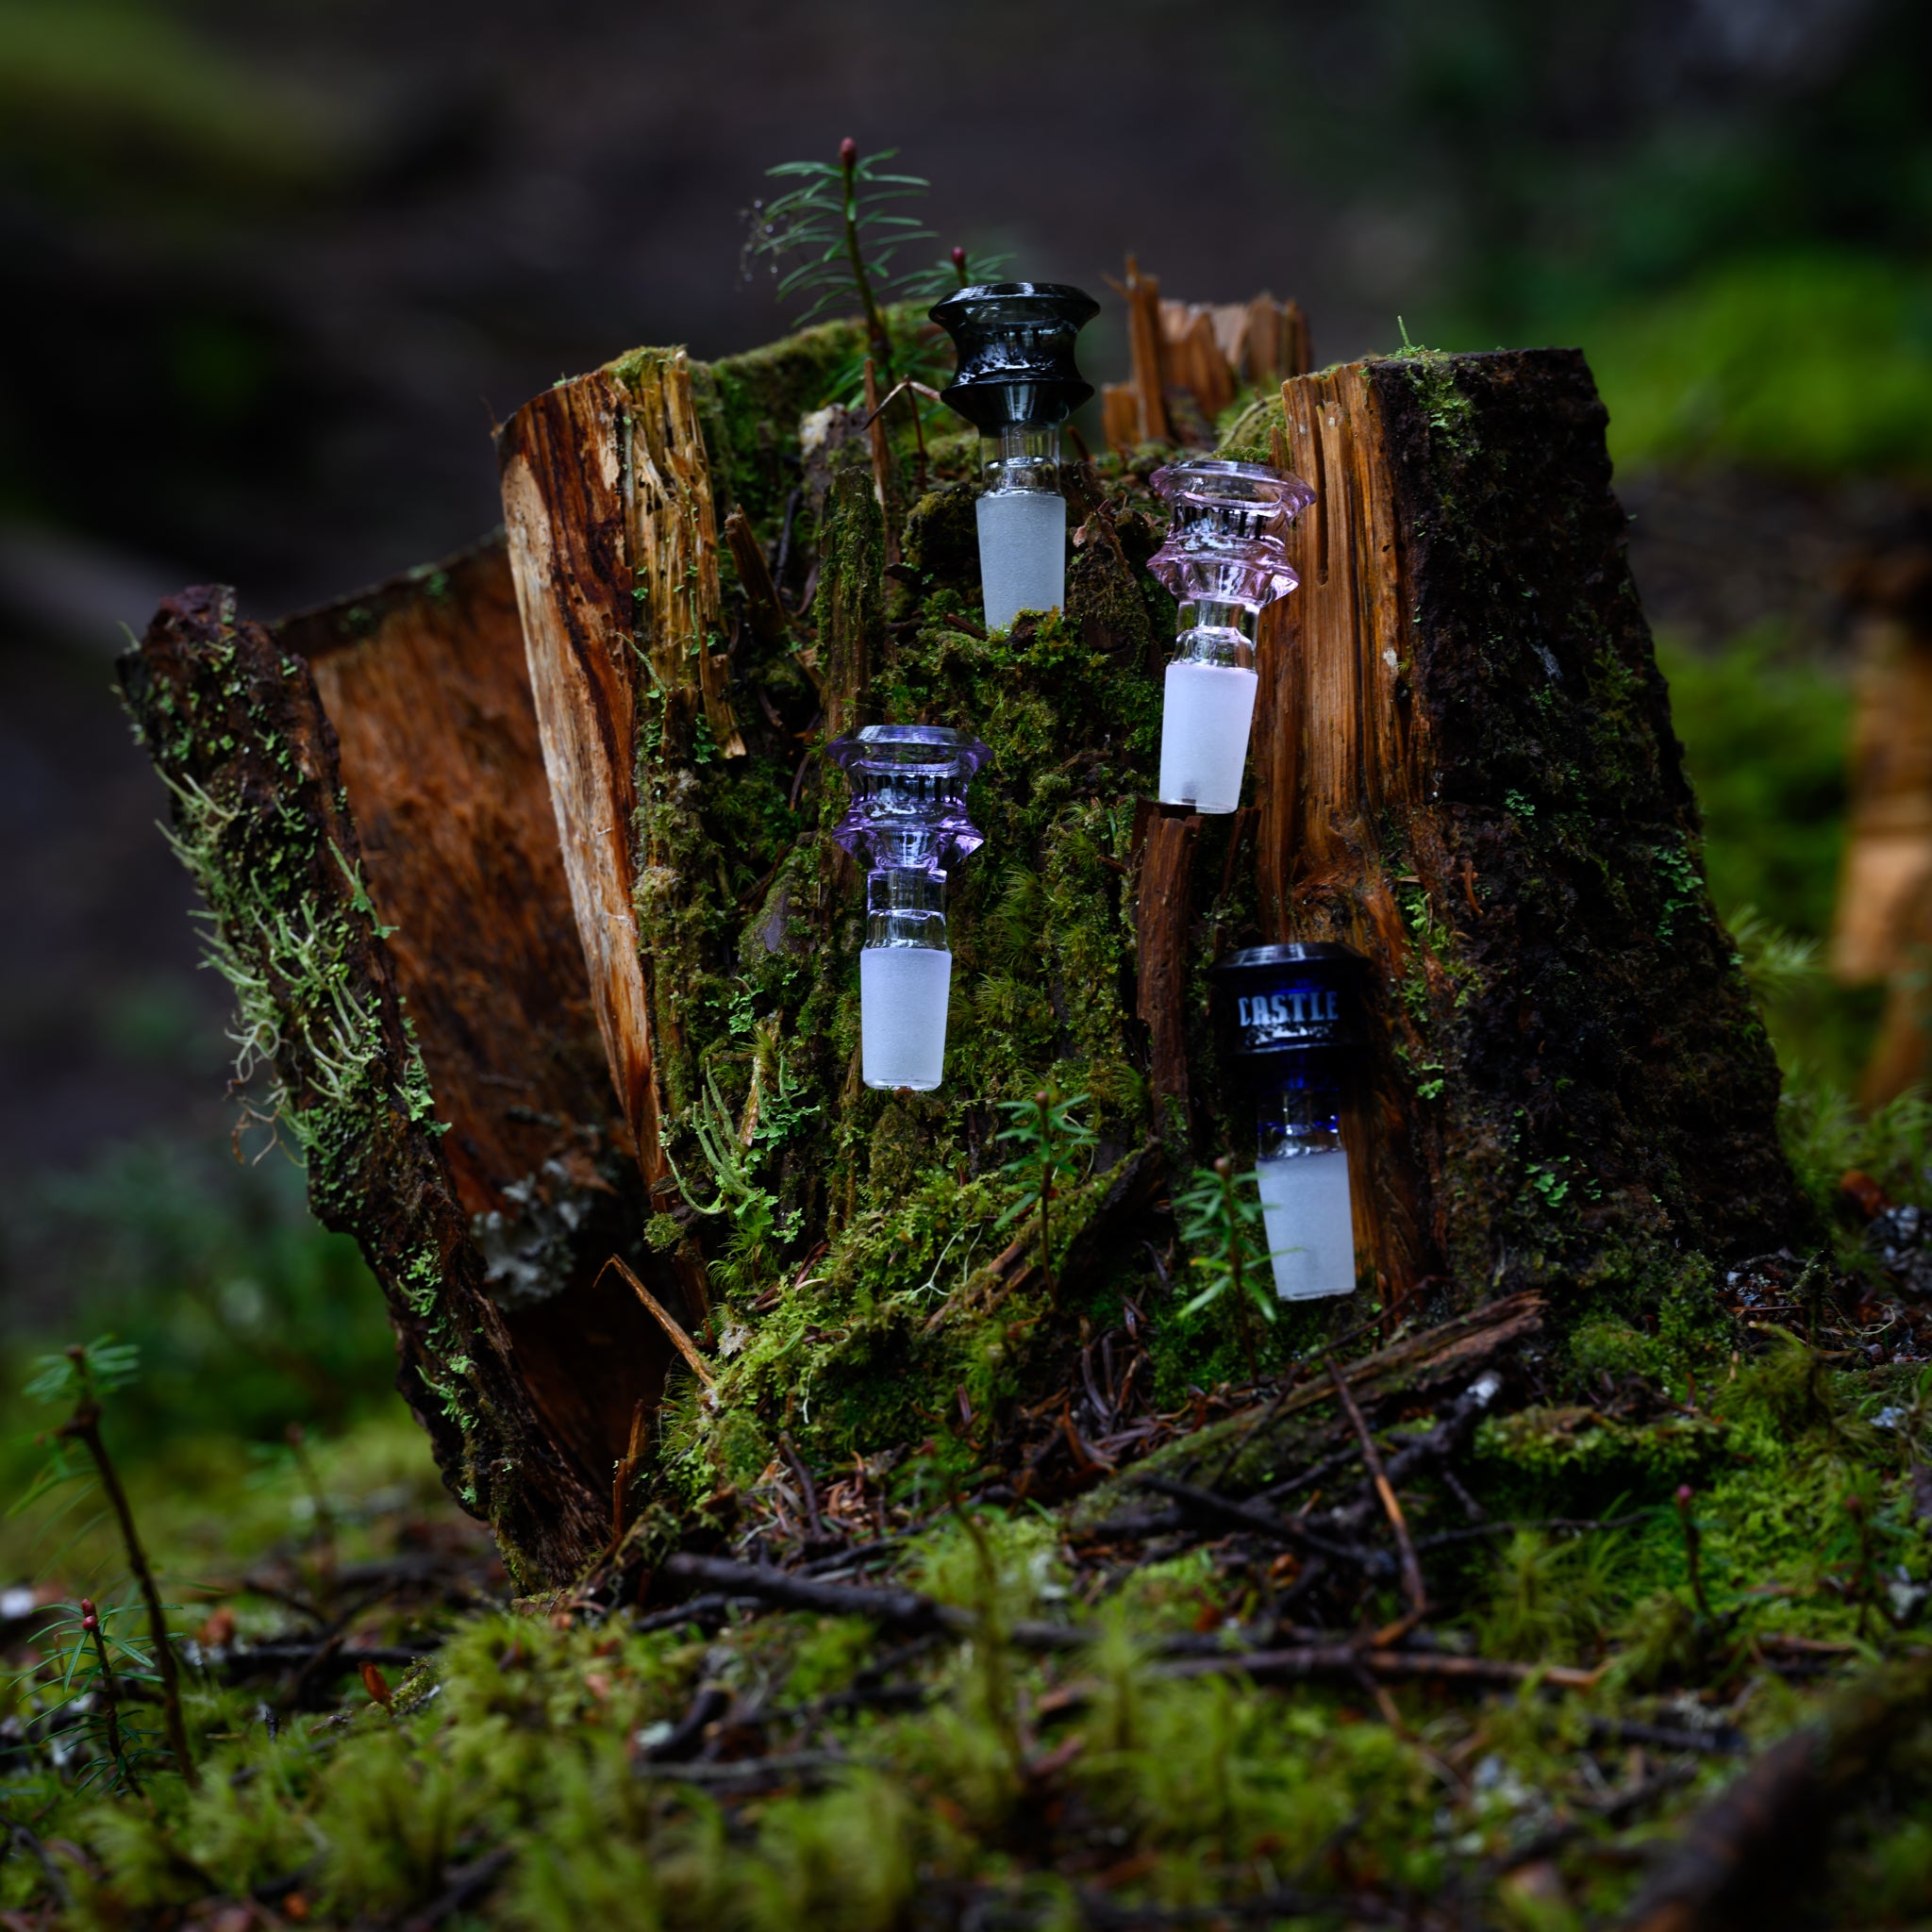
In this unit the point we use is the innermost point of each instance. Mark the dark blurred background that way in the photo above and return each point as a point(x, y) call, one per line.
point(274, 270)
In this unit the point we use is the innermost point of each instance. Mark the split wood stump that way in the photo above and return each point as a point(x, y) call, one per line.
point(521, 869)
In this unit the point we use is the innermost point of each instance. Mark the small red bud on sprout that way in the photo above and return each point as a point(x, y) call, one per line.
point(1685, 1492)
point(848, 154)
point(959, 265)
point(88, 1620)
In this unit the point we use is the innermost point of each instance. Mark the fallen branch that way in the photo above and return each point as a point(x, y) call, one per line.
point(898, 1610)
point(267, 1659)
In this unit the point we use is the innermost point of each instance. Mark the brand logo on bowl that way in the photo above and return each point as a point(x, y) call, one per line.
point(1292, 1008)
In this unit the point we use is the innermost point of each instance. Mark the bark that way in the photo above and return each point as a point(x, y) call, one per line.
point(1465, 770)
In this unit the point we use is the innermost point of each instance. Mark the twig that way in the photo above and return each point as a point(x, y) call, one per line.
point(1692, 1542)
point(1411, 1566)
point(620, 1477)
point(711, 1704)
point(714, 1606)
point(808, 1490)
point(263, 1659)
point(1616, 1730)
point(679, 1339)
point(324, 1516)
point(1574, 1526)
point(881, 459)
point(901, 1610)
point(1613, 1809)
point(905, 1610)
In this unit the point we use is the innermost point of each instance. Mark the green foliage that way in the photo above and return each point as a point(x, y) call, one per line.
point(1764, 744)
point(1825, 1135)
point(86, 1668)
point(1054, 1150)
point(1221, 1212)
point(836, 219)
point(1812, 360)
point(1777, 963)
point(246, 1315)
point(84, 1374)
point(1551, 1595)
point(752, 1209)
point(521, 1740)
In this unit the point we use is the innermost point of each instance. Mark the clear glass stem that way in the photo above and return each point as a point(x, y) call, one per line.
point(906, 907)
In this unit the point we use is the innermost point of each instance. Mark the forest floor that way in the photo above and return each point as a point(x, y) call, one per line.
point(1401, 1639)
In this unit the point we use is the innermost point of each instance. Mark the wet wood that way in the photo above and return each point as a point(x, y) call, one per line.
point(565, 513)
point(426, 684)
point(1191, 360)
point(764, 610)
point(261, 803)
point(881, 459)
point(671, 527)
point(850, 604)
point(1465, 771)
point(1162, 915)
point(1134, 411)
point(613, 547)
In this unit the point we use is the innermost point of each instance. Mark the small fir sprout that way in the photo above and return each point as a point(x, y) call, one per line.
point(837, 222)
point(1055, 1152)
point(1220, 1213)
point(82, 1376)
point(81, 1683)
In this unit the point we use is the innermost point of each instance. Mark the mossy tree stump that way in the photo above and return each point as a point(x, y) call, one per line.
point(587, 857)
point(1465, 769)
